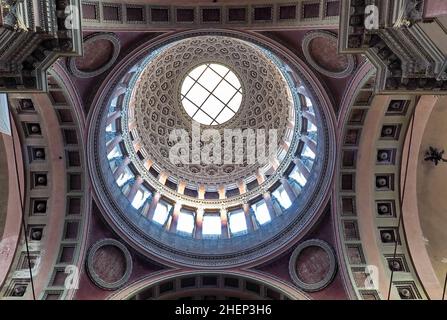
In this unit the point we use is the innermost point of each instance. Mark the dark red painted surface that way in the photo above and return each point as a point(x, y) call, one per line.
point(280, 267)
point(435, 8)
point(142, 267)
point(334, 87)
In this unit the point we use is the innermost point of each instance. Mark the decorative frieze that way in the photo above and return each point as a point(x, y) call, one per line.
point(255, 16)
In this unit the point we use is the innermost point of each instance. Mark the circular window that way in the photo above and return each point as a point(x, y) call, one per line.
point(211, 94)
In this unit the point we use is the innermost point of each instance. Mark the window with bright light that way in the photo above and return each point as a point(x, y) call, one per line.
point(308, 102)
point(307, 152)
point(140, 198)
point(161, 213)
point(116, 152)
point(113, 102)
point(124, 177)
point(281, 195)
point(211, 225)
point(111, 127)
point(311, 127)
point(211, 94)
point(261, 212)
point(298, 177)
point(185, 222)
point(237, 222)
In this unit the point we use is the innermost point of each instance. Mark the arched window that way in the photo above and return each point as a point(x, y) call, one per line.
point(261, 212)
point(185, 223)
point(237, 222)
point(211, 225)
point(111, 127)
point(308, 153)
point(283, 198)
point(311, 127)
point(116, 152)
point(298, 177)
point(124, 177)
point(308, 102)
point(161, 213)
point(140, 198)
point(113, 102)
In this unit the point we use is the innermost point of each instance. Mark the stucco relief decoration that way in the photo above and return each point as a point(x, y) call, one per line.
point(145, 102)
point(158, 109)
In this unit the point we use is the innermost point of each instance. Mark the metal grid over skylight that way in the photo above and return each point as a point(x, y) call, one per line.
point(211, 94)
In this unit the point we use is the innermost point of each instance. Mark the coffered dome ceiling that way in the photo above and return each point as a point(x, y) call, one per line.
point(202, 213)
point(157, 107)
